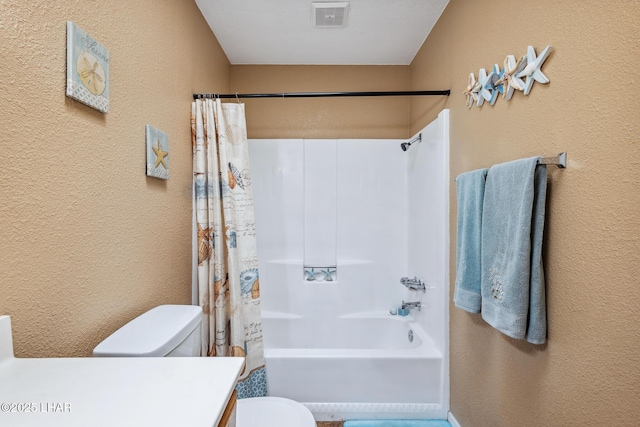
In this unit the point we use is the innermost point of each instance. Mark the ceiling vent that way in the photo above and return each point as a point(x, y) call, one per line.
point(330, 14)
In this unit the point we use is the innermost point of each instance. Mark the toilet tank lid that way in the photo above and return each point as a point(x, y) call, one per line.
point(152, 334)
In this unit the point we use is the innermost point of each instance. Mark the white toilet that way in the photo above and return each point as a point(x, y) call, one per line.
point(174, 330)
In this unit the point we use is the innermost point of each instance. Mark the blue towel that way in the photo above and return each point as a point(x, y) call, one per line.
point(513, 288)
point(470, 189)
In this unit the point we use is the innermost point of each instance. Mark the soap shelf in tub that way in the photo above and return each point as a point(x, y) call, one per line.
point(321, 274)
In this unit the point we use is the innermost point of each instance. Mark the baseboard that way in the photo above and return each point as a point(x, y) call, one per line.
point(452, 420)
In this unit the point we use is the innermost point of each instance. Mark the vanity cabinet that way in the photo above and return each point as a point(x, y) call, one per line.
point(229, 415)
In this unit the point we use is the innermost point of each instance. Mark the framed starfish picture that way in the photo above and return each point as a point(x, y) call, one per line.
point(88, 78)
point(157, 153)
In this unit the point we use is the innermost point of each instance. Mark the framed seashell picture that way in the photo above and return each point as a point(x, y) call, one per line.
point(88, 78)
point(157, 153)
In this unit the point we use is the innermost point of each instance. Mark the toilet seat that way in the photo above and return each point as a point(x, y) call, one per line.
point(272, 412)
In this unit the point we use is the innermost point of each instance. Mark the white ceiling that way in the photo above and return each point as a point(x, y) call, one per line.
point(378, 32)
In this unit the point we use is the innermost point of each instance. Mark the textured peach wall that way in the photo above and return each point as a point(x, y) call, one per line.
point(87, 240)
point(384, 117)
point(588, 374)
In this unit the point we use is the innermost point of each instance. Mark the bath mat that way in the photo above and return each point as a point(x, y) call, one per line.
point(396, 423)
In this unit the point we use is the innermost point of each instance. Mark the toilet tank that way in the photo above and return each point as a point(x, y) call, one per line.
point(164, 331)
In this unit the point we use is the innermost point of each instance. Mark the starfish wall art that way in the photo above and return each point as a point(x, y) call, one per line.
point(157, 153)
point(514, 75)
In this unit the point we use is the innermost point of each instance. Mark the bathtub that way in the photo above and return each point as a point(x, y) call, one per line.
point(361, 365)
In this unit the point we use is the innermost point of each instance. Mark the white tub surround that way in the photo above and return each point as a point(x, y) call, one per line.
point(320, 213)
point(113, 391)
point(380, 213)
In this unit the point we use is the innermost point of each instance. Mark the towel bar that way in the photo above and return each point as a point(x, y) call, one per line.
point(560, 160)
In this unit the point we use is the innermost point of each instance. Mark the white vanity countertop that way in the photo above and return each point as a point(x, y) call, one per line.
point(115, 391)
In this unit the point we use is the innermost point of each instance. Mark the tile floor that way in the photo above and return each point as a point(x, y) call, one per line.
point(424, 423)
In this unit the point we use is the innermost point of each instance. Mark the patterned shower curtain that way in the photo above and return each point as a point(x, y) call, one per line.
point(227, 267)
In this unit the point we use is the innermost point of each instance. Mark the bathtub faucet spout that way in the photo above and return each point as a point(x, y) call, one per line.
point(415, 304)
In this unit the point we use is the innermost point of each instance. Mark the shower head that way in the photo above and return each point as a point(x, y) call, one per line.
point(406, 145)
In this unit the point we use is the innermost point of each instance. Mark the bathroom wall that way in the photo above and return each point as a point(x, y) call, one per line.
point(324, 118)
point(87, 240)
point(588, 372)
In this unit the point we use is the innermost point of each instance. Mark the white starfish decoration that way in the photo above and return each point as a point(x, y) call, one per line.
point(517, 81)
point(472, 90)
point(485, 86)
point(532, 71)
point(507, 79)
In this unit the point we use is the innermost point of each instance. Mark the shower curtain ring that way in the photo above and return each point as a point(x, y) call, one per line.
point(237, 99)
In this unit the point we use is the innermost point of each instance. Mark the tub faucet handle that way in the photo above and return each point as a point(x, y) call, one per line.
point(414, 284)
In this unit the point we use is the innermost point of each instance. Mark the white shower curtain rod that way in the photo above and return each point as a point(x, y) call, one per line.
point(321, 94)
